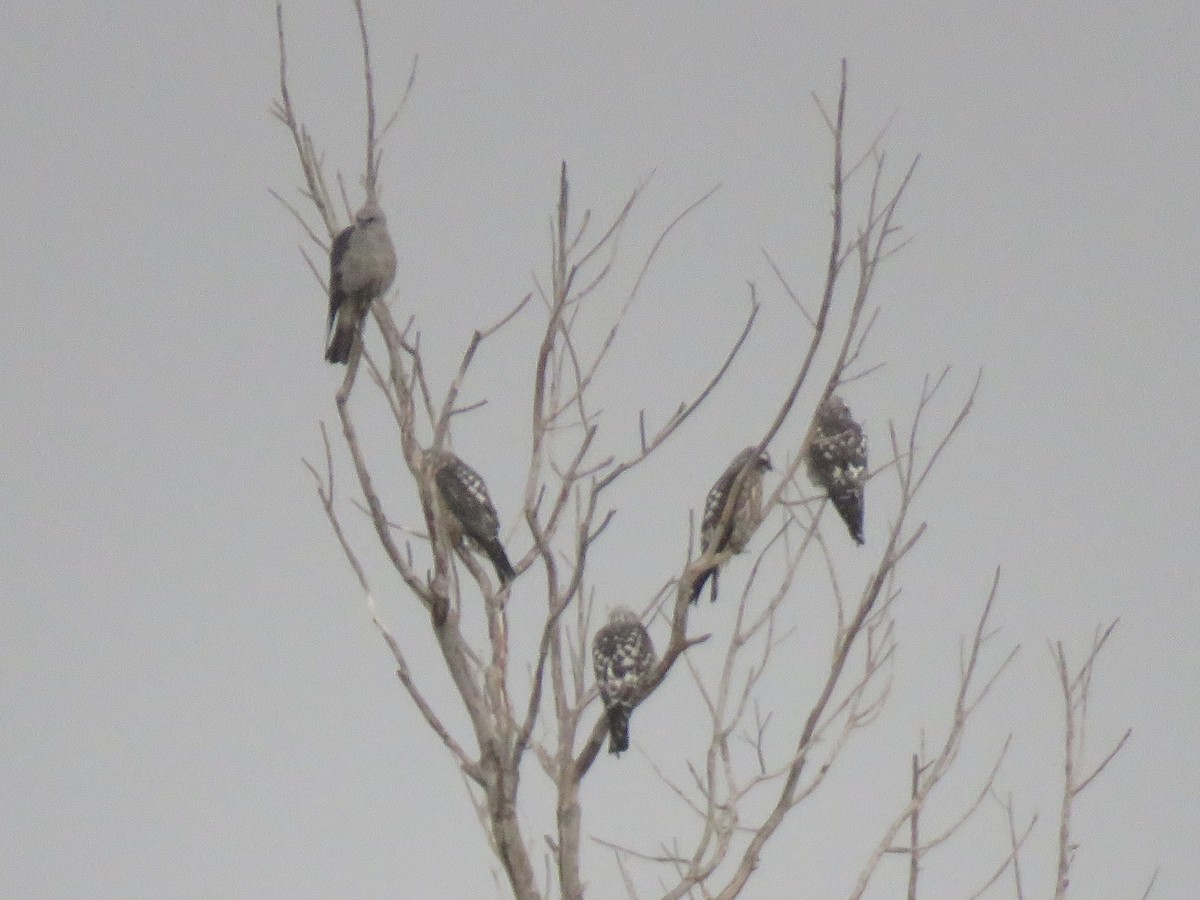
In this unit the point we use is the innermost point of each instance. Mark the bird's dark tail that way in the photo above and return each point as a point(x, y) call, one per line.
point(849, 505)
point(618, 727)
point(504, 569)
point(698, 587)
point(339, 346)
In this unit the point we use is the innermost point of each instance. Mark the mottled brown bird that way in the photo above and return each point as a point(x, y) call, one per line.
point(740, 491)
point(837, 462)
point(468, 511)
point(622, 658)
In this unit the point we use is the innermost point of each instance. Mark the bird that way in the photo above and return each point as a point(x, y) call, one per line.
point(837, 462)
point(362, 264)
point(740, 494)
point(469, 512)
point(622, 658)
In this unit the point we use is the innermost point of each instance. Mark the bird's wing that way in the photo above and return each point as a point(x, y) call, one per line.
point(467, 499)
point(336, 254)
point(622, 653)
point(718, 498)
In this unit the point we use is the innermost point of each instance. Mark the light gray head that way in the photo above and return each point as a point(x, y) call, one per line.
point(370, 214)
point(623, 614)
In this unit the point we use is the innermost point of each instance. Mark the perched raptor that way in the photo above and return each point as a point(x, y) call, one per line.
point(362, 264)
point(837, 462)
point(733, 510)
point(468, 510)
point(622, 657)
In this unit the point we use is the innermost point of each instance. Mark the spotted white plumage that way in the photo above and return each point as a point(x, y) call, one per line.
point(469, 511)
point(622, 658)
point(837, 462)
point(733, 531)
point(362, 264)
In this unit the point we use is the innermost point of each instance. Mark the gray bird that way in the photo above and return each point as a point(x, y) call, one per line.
point(362, 264)
point(837, 462)
point(622, 658)
point(469, 512)
point(732, 531)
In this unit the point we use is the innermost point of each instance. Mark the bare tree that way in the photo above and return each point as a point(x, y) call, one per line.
point(1075, 690)
point(541, 712)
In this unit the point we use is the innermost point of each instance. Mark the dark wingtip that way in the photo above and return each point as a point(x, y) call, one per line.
point(339, 348)
point(849, 507)
point(618, 729)
point(698, 585)
point(504, 570)
point(855, 527)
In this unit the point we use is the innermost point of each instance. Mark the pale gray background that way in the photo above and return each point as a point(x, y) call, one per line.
point(192, 700)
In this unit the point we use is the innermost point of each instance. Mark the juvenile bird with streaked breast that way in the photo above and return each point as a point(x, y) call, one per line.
point(622, 658)
point(468, 512)
point(837, 462)
point(732, 511)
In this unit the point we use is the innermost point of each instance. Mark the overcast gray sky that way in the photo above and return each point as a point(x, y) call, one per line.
point(192, 700)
